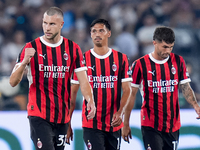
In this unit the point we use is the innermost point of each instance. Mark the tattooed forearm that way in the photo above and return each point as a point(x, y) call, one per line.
point(188, 93)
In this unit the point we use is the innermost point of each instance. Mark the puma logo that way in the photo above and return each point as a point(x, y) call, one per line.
point(152, 72)
point(42, 56)
point(91, 67)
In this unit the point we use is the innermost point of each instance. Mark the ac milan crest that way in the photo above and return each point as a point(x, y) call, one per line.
point(114, 67)
point(39, 144)
point(89, 145)
point(65, 56)
point(173, 70)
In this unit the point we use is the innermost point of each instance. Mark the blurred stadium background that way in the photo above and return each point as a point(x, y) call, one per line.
point(132, 22)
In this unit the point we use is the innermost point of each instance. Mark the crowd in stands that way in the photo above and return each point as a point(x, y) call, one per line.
point(132, 22)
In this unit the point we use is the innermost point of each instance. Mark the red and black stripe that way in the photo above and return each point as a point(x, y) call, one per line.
point(49, 95)
point(107, 100)
point(159, 110)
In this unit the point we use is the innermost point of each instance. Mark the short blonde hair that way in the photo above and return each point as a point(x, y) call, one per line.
point(54, 10)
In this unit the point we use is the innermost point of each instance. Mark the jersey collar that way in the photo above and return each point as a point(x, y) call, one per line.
point(101, 56)
point(158, 61)
point(51, 45)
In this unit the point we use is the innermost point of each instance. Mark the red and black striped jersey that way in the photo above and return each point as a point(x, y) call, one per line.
point(105, 74)
point(158, 82)
point(49, 75)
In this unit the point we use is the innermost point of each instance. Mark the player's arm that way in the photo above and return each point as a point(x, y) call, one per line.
point(74, 91)
point(188, 93)
point(126, 131)
point(18, 71)
point(117, 117)
point(87, 93)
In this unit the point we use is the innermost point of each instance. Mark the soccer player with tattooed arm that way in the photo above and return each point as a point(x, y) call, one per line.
point(109, 76)
point(50, 60)
point(158, 76)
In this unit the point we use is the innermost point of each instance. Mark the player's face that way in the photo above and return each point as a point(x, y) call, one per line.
point(52, 26)
point(162, 49)
point(100, 34)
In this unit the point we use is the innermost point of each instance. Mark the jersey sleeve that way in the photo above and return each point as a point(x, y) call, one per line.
point(74, 79)
point(79, 60)
point(184, 75)
point(22, 53)
point(126, 74)
point(136, 74)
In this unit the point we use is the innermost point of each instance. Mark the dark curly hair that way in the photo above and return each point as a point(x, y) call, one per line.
point(165, 34)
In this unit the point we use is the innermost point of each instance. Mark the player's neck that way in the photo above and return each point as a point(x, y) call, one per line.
point(155, 56)
point(101, 50)
point(52, 41)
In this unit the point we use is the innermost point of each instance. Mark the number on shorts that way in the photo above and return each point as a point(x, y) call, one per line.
point(62, 139)
point(174, 144)
point(118, 143)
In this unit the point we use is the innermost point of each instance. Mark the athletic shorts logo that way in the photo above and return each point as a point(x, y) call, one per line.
point(148, 148)
point(65, 56)
point(39, 144)
point(173, 70)
point(89, 145)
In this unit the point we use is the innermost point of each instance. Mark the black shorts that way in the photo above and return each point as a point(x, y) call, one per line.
point(157, 140)
point(46, 135)
point(101, 140)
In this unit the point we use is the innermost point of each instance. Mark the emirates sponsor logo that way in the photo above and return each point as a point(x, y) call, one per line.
point(102, 78)
point(53, 68)
point(54, 71)
point(162, 83)
point(162, 86)
point(102, 81)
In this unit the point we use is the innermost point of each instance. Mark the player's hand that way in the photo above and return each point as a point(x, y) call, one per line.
point(126, 133)
point(197, 109)
point(117, 119)
point(29, 53)
point(69, 134)
point(91, 109)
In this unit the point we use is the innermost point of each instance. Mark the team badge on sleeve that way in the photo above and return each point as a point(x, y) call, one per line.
point(187, 73)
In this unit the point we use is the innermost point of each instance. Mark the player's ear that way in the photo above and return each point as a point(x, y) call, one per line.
point(109, 33)
point(62, 24)
point(154, 42)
